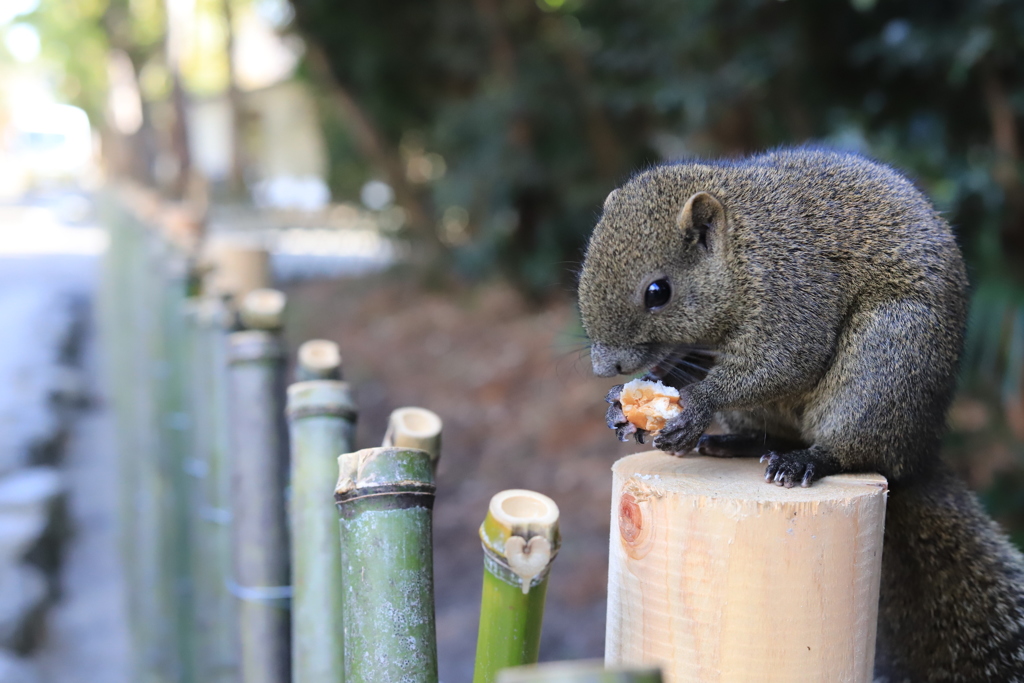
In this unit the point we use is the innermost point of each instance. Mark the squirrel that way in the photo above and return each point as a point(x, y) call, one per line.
point(815, 302)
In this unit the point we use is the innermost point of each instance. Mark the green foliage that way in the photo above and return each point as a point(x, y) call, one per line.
point(539, 108)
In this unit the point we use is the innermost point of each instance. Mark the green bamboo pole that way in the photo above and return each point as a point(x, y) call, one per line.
point(321, 417)
point(174, 429)
point(578, 672)
point(385, 498)
point(155, 504)
point(223, 647)
point(258, 459)
point(126, 373)
point(520, 540)
point(318, 359)
point(215, 614)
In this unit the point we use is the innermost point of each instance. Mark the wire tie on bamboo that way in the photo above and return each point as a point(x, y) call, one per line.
point(250, 346)
point(263, 309)
point(265, 595)
point(343, 411)
point(318, 359)
point(196, 468)
point(215, 515)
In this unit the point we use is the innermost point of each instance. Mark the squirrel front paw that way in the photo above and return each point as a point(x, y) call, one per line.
point(616, 419)
point(681, 433)
point(788, 469)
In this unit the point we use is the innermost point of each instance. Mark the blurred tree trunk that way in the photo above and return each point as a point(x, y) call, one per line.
point(378, 150)
point(236, 175)
point(1005, 170)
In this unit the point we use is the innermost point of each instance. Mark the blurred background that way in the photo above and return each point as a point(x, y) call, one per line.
point(424, 174)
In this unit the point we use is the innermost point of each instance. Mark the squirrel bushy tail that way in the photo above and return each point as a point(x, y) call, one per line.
point(952, 595)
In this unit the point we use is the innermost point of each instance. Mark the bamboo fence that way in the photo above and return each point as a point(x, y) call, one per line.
point(230, 580)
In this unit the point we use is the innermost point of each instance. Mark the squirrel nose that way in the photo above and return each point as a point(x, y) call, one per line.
point(607, 361)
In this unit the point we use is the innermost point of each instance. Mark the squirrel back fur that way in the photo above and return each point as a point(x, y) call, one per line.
point(831, 299)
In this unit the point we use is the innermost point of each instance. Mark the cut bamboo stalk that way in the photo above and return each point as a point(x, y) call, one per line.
point(235, 269)
point(520, 540)
point(220, 645)
point(414, 428)
point(578, 672)
point(262, 309)
point(259, 523)
point(385, 498)
point(717, 576)
point(318, 359)
point(321, 417)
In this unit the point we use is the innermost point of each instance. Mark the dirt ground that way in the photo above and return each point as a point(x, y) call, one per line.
point(521, 410)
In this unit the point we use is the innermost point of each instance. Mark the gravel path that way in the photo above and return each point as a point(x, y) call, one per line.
point(48, 276)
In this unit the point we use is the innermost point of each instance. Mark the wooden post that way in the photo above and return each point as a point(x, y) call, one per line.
point(258, 520)
point(718, 576)
point(321, 417)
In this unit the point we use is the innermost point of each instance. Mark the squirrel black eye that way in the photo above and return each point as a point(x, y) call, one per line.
point(657, 294)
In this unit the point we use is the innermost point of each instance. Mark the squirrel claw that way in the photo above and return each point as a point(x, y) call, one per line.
point(623, 432)
point(790, 469)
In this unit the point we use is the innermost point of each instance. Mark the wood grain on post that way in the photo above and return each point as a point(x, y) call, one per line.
point(716, 575)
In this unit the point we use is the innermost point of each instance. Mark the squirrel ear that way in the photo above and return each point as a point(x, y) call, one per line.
point(609, 199)
point(701, 214)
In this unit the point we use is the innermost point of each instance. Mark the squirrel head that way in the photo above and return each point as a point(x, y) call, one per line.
point(655, 276)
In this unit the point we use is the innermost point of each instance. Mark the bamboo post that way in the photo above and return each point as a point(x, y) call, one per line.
point(258, 460)
point(520, 540)
point(218, 609)
point(414, 428)
point(578, 672)
point(318, 359)
point(717, 576)
point(385, 498)
point(321, 417)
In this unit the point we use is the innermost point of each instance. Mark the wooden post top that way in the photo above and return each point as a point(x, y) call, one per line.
point(740, 479)
point(716, 575)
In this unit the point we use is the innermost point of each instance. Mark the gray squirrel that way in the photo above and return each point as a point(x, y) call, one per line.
point(815, 302)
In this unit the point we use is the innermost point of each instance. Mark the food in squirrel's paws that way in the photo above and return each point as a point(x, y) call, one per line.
point(649, 405)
